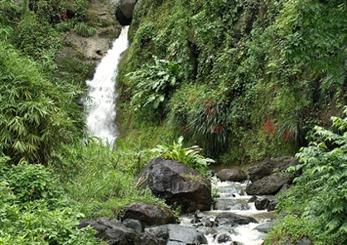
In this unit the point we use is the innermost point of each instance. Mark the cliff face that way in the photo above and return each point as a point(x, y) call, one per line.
point(80, 47)
point(256, 74)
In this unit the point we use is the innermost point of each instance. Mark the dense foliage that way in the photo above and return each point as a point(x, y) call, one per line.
point(35, 210)
point(244, 79)
point(319, 197)
point(102, 181)
point(153, 84)
point(34, 112)
point(265, 71)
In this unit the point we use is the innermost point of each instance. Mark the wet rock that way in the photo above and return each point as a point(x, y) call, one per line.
point(124, 11)
point(233, 219)
point(265, 228)
point(229, 204)
point(261, 204)
point(150, 239)
point(177, 184)
point(223, 238)
point(252, 199)
point(149, 215)
point(268, 203)
point(270, 166)
point(177, 234)
point(207, 222)
point(268, 185)
point(112, 231)
point(232, 174)
point(272, 205)
point(133, 224)
point(209, 230)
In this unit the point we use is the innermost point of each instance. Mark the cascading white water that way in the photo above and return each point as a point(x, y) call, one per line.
point(233, 199)
point(100, 105)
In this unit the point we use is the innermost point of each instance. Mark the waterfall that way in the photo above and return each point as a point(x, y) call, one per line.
point(102, 94)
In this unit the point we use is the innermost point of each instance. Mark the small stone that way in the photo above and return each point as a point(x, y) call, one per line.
point(252, 199)
point(223, 238)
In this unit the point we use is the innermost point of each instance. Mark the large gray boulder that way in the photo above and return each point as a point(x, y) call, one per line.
point(232, 174)
point(270, 166)
point(269, 185)
point(114, 232)
point(177, 234)
point(149, 215)
point(177, 184)
point(124, 11)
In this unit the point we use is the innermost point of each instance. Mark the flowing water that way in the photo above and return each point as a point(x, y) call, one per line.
point(101, 102)
point(101, 115)
point(232, 198)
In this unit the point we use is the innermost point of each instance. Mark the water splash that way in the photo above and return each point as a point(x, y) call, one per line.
point(102, 94)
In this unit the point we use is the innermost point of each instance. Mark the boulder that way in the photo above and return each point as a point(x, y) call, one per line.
point(232, 174)
point(149, 215)
point(261, 203)
point(270, 166)
point(268, 185)
point(124, 11)
point(177, 184)
point(112, 231)
point(233, 219)
point(177, 234)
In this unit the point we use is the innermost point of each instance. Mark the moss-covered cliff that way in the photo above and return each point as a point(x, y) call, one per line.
point(252, 76)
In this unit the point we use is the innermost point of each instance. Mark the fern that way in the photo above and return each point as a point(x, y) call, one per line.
point(190, 156)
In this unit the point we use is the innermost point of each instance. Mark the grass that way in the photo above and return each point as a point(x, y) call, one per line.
point(101, 180)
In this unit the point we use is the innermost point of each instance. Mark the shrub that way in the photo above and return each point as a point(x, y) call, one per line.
point(152, 85)
point(34, 182)
point(37, 224)
point(35, 38)
point(190, 156)
point(33, 112)
point(201, 113)
point(319, 195)
point(84, 29)
point(34, 209)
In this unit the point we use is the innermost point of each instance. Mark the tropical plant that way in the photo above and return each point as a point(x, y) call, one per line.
point(324, 166)
point(154, 84)
point(320, 193)
point(35, 210)
point(34, 118)
point(190, 156)
point(34, 37)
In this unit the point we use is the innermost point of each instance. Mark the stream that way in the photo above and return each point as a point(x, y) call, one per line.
point(232, 198)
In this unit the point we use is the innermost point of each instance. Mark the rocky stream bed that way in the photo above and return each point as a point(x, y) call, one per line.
point(233, 216)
